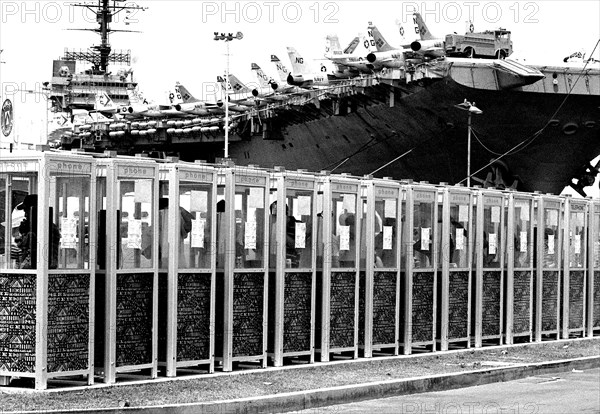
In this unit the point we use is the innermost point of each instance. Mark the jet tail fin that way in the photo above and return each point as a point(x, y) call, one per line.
point(237, 86)
point(104, 103)
point(299, 66)
point(422, 27)
point(263, 80)
point(363, 45)
point(380, 43)
point(136, 97)
point(352, 46)
point(282, 71)
point(332, 46)
point(186, 96)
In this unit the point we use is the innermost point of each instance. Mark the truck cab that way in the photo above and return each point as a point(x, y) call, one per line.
point(491, 44)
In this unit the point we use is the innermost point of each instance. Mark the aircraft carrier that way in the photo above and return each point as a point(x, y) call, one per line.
point(538, 131)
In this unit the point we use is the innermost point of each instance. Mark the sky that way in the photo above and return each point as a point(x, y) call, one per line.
point(176, 40)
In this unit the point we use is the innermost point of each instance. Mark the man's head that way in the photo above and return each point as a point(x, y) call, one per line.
point(30, 200)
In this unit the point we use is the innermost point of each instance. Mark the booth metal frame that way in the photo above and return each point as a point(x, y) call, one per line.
point(460, 277)
point(229, 179)
point(428, 288)
point(593, 286)
point(328, 186)
point(42, 169)
point(484, 282)
point(519, 278)
point(281, 294)
point(115, 171)
point(548, 279)
point(374, 278)
point(574, 296)
point(174, 174)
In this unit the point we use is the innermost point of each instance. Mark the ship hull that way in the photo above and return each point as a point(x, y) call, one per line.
point(550, 140)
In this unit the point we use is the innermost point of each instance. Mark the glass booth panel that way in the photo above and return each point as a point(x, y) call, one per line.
point(163, 225)
point(134, 233)
point(492, 236)
point(6, 232)
point(577, 239)
point(596, 239)
point(195, 225)
point(18, 246)
point(422, 234)
point(299, 229)
point(249, 227)
point(459, 235)
point(522, 233)
point(69, 246)
point(385, 231)
point(551, 228)
point(343, 238)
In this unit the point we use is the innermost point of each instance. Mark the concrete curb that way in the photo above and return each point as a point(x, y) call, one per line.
point(303, 400)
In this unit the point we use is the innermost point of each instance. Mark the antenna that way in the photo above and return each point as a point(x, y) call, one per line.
point(100, 56)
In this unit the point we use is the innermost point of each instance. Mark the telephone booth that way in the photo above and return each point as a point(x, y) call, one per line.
point(489, 280)
point(127, 267)
point(242, 264)
point(292, 264)
point(187, 265)
point(456, 252)
point(520, 269)
point(548, 266)
point(379, 299)
point(593, 286)
point(575, 267)
point(336, 329)
point(419, 276)
point(46, 267)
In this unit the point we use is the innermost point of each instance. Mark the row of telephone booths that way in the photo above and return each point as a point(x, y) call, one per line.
point(112, 265)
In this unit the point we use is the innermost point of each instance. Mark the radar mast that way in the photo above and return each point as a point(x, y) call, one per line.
point(100, 55)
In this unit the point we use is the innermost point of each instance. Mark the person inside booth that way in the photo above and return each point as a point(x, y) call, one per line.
point(291, 253)
point(185, 226)
point(24, 251)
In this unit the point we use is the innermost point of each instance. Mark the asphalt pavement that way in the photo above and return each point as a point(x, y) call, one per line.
point(575, 391)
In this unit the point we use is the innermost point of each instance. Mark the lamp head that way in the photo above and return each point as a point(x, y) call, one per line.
point(474, 110)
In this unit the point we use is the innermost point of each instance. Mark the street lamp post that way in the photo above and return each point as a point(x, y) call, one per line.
point(227, 38)
point(472, 109)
